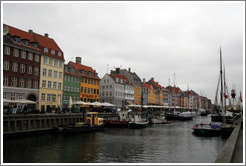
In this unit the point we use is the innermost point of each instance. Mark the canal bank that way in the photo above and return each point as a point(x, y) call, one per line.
point(161, 143)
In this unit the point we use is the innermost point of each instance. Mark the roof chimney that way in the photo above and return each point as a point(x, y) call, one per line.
point(30, 31)
point(78, 60)
point(117, 70)
point(152, 78)
point(46, 35)
point(143, 80)
point(129, 69)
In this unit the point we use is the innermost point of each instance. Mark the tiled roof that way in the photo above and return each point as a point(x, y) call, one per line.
point(120, 77)
point(50, 44)
point(148, 86)
point(78, 67)
point(23, 35)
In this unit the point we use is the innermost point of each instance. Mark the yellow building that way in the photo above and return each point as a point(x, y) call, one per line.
point(151, 93)
point(89, 82)
point(137, 94)
point(51, 73)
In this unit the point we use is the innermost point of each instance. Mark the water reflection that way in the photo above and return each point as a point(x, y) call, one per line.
point(163, 143)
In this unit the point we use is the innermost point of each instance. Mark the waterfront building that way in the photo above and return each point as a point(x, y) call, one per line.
point(71, 85)
point(151, 93)
point(89, 81)
point(174, 96)
point(165, 92)
point(134, 80)
point(158, 91)
point(144, 93)
point(21, 66)
point(51, 73)
point(117, 90)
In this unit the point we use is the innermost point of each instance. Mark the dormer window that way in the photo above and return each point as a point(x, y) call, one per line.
point(89, 73)
point(83, 72)
point(46, 50)
point(59, 54)
point(16, 39)
point(53, 52)
point(96, 74)
point(34, 45)
point(25, 42)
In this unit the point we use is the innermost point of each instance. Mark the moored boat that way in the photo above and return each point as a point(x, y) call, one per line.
point(117, 123)
point(138, 123)
point(185, 115)
point(93, 123)
point(207, 129)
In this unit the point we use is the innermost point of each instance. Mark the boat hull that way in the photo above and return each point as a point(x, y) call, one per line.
point(138, 125)
point(171, 117)
point(207, 129)
point(117, 124)
point(76, 130)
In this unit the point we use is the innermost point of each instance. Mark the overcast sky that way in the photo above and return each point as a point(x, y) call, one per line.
point(154, 39)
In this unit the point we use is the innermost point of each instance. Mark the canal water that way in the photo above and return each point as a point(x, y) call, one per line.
point(162, 143)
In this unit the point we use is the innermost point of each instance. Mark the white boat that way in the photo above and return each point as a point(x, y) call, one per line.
point(138, 122)
point(159, 119)
point(185, 115)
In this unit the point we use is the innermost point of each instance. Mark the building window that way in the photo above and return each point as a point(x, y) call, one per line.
point(29, 83)
point(81, 89)
point(89, 81)
point(43, 97)
point(60, 75)
point(16, 52)
point(23, 54)
point(53, 52)
point(36, 58)
point(49, 84)
point(46, 50)
point(59, 54)
point(54, 97)
point(12, 96)
point(55, 63)
point(45, 60)
point(22, 68)
point(91, 91)
point(29, 70)
point(36, 84)
point(60, 64)
point(22, 82)
point(85, 90)
point(30, 56)
point(55, 74)
point(48, 97)
point(50, 61)
point(85, 80)
point(59, 85)
point(14, 81)
point(44, 72)
point(54, 85)
point(6, 65)
point(5, 80)
point(7, 50)
point(44, 84)
point(50, 73)
point(36, 70)
point(15, 67)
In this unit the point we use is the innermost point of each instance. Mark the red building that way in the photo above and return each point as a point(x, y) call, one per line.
point(21, 65)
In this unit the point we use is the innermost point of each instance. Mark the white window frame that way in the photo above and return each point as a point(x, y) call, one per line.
point(55, 62)
point(43, 97)
point(59, 85)
point(30, 56)
point(16, 52)
point(46, 50)
point(53, 52)
point(50, 73)
point(23, 54)
point(55, 74)
point(36, 58)
point(49, 84)
point(29, 83)
point(45, 60)
point(54, 85)
point(7, 50)
point(14, 81)
point(15, 67)
point(22, 83)
point(50, 61)
point(35, 84)
point(5, 80)
point(44, 72)
point(29, 70)
point(36, 70)
point(59, 54)
point(43, 83)
point(60, 75)
point(22, 68)
point(6, 65)
point(48, 97)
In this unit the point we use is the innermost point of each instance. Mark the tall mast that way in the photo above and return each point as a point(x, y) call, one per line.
point(225, 89)
point(221, 84)
point(174, 93)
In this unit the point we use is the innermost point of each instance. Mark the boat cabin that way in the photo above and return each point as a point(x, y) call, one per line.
point(93, 119)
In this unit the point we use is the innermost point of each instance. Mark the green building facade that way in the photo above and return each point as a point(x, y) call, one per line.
point(71, 85)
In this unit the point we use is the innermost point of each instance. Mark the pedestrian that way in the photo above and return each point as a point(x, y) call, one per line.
point(14, 109)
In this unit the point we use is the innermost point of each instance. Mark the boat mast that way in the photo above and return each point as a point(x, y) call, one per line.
point(225, 88)
point(170, 96)
point(174, 95)
point(221, 84)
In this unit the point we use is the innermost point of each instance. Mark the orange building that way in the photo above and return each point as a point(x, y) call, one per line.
point(151, 93)
point(89, 82)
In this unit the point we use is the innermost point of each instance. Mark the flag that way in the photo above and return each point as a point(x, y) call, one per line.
point(225, 95)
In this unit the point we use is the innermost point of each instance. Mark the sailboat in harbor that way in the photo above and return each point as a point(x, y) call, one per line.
point(213, 129)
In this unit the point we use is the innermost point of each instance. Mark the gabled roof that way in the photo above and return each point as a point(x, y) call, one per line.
point(23, 35)
point(114, 76)
point(148, 86)
point(50, 44)
point(79, 67)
